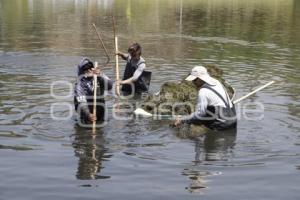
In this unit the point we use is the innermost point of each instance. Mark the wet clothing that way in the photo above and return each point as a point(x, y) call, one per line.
point(84, 94)
point(214, 108)
point(141, 78)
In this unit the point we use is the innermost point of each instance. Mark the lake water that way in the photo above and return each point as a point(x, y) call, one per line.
point(44, 156)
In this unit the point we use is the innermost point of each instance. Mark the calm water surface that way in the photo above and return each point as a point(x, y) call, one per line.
point(254, 42)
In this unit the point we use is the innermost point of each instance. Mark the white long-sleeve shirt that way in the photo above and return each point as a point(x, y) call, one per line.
point(206, 98)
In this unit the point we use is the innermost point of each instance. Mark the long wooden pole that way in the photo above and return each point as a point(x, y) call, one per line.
point(117, 57)
point(117, 67)
point(102, 44)
point(95, 98)
point(253, 92)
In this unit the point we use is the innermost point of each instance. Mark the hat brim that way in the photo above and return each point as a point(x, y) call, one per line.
point(191, 78)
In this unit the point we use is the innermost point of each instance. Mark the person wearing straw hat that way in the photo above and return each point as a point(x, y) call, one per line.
point(135, 80)
point(214, 108)
point(84, 89)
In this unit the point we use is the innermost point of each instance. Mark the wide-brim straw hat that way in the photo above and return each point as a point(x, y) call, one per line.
point(201, 73)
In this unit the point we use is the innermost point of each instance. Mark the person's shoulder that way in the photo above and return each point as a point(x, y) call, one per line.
point(204, 89)
point(219, 86)
point(218, 83)
point(141, 63)
point(142, 60)
point(207, 89)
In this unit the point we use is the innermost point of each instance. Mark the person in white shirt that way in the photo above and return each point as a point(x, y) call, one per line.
point(214, 108)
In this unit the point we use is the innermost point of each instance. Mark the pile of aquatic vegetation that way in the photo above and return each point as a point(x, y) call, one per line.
point(183, 94)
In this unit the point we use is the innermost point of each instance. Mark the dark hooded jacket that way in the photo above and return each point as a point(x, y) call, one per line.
point(84, 91)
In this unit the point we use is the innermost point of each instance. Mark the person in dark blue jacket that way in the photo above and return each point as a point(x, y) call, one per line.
point(84, 90)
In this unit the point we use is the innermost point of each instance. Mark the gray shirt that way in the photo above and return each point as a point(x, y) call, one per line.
point(141, 67)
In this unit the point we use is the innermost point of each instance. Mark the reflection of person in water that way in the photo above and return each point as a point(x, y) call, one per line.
point(215, 146)
point(90, 150)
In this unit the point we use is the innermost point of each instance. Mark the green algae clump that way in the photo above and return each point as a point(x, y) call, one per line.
point(180, 98)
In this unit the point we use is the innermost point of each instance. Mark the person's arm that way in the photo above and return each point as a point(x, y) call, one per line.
point(200, 109)
point(81, 99)
point(123, 55)
point(138, 72)
point(105, 82)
